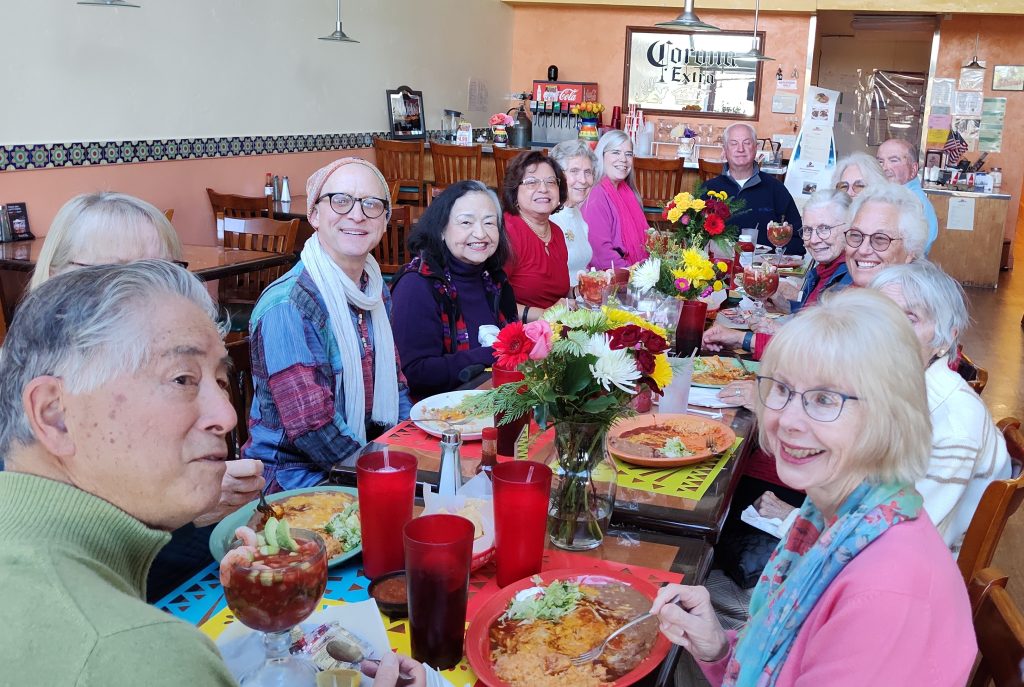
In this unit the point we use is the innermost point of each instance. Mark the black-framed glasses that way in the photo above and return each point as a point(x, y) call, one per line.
point(822, 230)
point(533, 182)
point(823, 405)
point(845, 186)
point(342, 203)
point(880, 242)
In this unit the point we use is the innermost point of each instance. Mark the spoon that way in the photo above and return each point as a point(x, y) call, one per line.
point(350, 653)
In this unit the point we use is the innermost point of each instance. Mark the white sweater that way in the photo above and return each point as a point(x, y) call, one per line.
point(574, 227)
point(968, 452)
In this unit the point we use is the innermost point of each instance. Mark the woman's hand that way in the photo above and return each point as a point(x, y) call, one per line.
point(771, 506)
point(386, 673)
point(242, 482)
point(741, 392)
point(692, 623)
point(764, 325)
point(718, 337)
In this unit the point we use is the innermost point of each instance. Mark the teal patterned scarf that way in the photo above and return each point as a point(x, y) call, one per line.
point(801, 569)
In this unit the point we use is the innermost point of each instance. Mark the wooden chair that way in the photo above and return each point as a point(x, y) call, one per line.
point(258, 233)
point(999, 502)
point(241, 393)
point(975, 375)
point(999, 628)
point(240, 207)
point(658, 181)
point(169, 213)
point(501, 160)
point(707, 169)
point(452, 163)
point(391, 253)
point(401, 161)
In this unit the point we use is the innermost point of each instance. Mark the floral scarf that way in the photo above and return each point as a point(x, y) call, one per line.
point(801, 569)
point(453, 326)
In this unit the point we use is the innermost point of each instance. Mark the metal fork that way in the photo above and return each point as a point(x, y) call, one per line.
point(593, 654)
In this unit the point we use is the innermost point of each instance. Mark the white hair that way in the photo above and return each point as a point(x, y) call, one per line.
point(573, 148)
point(734, 125)
point(912, 224)
point(926, 287)
point(829, 197)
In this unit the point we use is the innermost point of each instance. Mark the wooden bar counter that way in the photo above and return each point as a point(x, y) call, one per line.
point(970, 256)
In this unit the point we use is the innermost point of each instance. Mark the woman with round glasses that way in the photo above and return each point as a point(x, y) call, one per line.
point(326, 376)
point(613, 212)
point(887, 228)
point(453, 286)
point(538, 269)
point(856, 172)
point(577, 161)
point(861, 590)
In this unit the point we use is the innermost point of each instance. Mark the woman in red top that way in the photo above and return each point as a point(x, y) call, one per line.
point(538, 270)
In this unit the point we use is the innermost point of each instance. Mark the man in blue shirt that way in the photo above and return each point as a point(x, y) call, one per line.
point(898, 159)
point(767, 199)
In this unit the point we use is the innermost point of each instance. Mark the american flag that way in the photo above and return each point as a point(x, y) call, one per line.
point(955, 147)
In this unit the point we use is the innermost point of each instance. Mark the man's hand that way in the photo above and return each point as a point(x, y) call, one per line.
point(386, 674)
point(243, 481)
point(718, 337)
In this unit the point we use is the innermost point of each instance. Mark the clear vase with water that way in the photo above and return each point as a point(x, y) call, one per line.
point(582, 487)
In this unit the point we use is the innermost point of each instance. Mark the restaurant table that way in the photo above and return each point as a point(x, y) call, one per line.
point(654, 557)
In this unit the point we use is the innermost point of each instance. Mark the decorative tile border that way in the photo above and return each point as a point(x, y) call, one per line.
point(46, 155)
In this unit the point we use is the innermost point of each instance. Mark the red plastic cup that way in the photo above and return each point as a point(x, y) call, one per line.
point(386, 484)
point(522, 490)
point(508, 433)
point(438, 551)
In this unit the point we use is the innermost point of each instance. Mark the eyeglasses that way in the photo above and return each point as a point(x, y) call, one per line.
point(342, 203)
point(844, 186)
point(823, 405)
point(879, 242)
point(822, 230)
point(533, 183)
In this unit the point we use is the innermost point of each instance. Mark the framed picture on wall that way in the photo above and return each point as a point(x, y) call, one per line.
point(933, 158)
point(682, 73)
point(1008, 77)
point(405, 114)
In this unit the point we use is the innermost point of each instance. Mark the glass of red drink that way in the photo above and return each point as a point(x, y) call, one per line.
point(508, 433)
point(760, 282)
point(780, 233)
point(594, 286)
point(272, 593)
point(522, 492)
point(386, 481)
point(438, 551)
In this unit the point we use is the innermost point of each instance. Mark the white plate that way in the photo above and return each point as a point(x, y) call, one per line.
point(471, 430)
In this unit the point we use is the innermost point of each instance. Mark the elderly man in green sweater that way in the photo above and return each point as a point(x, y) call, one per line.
point(113, 416)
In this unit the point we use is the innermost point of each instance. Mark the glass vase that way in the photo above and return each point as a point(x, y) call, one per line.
point(582, 486)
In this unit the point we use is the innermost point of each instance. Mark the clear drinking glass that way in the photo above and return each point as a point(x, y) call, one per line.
point(760, 282)
point(780, 235)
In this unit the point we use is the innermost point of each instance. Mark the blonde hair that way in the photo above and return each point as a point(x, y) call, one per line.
point(104, 218)
point(859, 342)
point(870, 170)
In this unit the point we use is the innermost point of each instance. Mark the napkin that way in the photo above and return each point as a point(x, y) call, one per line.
point(487, 334)
point(479, 488)
point(708, 398)
point(773, 526)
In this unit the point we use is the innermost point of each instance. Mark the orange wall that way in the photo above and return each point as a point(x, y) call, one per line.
point(179, 184)
point(589, 44)
point(1000, 44)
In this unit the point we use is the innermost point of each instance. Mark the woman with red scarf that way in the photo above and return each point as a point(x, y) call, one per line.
point(618, 227)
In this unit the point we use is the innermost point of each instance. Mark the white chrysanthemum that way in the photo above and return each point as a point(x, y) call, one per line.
point(616, 368)
point(599, 345)
point(646, 275)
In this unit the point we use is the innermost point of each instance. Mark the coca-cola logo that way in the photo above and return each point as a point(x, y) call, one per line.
point(567, 94)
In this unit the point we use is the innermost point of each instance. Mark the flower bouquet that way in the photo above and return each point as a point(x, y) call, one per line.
point(588, 109)
point(581, 369)
point(499, 121)
point(702, 218)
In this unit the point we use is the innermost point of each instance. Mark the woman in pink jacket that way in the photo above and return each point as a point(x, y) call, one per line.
point(862, 589)
point(614, 216)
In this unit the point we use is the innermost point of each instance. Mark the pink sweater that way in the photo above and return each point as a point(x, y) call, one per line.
point(898, 614)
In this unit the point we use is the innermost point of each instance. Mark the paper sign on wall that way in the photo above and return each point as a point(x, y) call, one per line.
point(784, 103)
point(960, 215)
point(820, 107)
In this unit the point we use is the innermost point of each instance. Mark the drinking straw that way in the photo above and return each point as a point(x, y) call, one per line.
point(387, 463)
point(529, 474)
point(694, 352)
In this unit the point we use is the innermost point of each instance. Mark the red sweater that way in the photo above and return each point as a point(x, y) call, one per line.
point(539, 277)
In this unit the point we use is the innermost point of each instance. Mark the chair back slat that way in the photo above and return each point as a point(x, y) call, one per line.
point(975, 375)
point(240, 207)
point(999, 629)
point(262, 234)
point(240, 392)
point(453, 163)
point(709, 169)
point(401, 161)
point(391, 253)
point(502, 156)
point(658, 182)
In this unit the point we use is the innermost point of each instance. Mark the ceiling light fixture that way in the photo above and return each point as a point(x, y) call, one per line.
point(338, 34)
point(107, 3)
point(974, 64)
point(688, 21)
point(754, 53)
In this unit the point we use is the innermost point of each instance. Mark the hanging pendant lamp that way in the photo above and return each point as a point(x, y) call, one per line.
point(974, 64)
point(755, 54)
point(107, 3)
point(688, 21)
point(338, 34)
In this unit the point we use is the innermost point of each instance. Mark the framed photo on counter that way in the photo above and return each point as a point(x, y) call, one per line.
point(405, 114)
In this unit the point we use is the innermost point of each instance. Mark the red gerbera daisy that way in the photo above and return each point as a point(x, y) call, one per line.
point(512, 346)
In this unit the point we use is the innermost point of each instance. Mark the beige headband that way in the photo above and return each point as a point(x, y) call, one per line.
point(316, 181)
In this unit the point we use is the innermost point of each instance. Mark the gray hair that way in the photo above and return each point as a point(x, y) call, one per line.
point(735, 125)
point(912, 224)
point(870, 171)
point(927, 288)
point(829, 197)
point(573, 148)
point(84, 327)
point(613, 138)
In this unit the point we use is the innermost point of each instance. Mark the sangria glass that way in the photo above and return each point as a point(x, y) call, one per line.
point(760, 282)
point(780, 234)
point(272, 594)
point(594, 288)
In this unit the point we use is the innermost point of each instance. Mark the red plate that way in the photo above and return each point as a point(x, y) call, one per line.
point(478, 645)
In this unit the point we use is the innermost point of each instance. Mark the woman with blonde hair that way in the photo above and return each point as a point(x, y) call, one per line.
point(613, 213)
point(104, 228)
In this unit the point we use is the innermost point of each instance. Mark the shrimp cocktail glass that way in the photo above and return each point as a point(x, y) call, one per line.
point(273, 580)
point(760, 282)
point(780, 234)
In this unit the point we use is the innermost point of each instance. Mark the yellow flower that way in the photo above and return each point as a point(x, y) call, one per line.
point(683, 198)
point(662, 374)
point(618, 318)
point(718, 285)
point(722, 267)
point(697, 205)
point(674, 214)
point(721, 195)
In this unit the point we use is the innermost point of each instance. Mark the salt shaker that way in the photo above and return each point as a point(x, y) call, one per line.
point(450, 478)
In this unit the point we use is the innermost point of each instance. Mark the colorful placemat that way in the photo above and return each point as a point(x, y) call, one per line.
point(687, 481)
point(409, 435)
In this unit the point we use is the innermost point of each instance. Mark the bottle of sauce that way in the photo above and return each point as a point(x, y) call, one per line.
point(488, 451)
point(268, 186)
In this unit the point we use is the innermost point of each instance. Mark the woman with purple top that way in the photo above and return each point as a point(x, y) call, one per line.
point(618, 227)
point(454, 286)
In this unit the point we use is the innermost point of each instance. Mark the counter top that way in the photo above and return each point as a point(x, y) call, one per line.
point(943, 191)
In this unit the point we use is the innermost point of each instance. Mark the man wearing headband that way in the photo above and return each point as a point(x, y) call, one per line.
point(326, 374)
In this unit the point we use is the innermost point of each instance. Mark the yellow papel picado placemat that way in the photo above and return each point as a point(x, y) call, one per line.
point(687, 481)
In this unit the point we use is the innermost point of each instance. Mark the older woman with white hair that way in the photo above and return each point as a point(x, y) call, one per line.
point(577, 161)
point(856, 172)
point(887, 227)
point(968, 451)
point(861, 590)
point(612, 211)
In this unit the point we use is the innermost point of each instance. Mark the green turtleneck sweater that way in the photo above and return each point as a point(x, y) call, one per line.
point(72, 588)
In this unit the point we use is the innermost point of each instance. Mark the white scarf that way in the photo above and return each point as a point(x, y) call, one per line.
point(339, 292)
